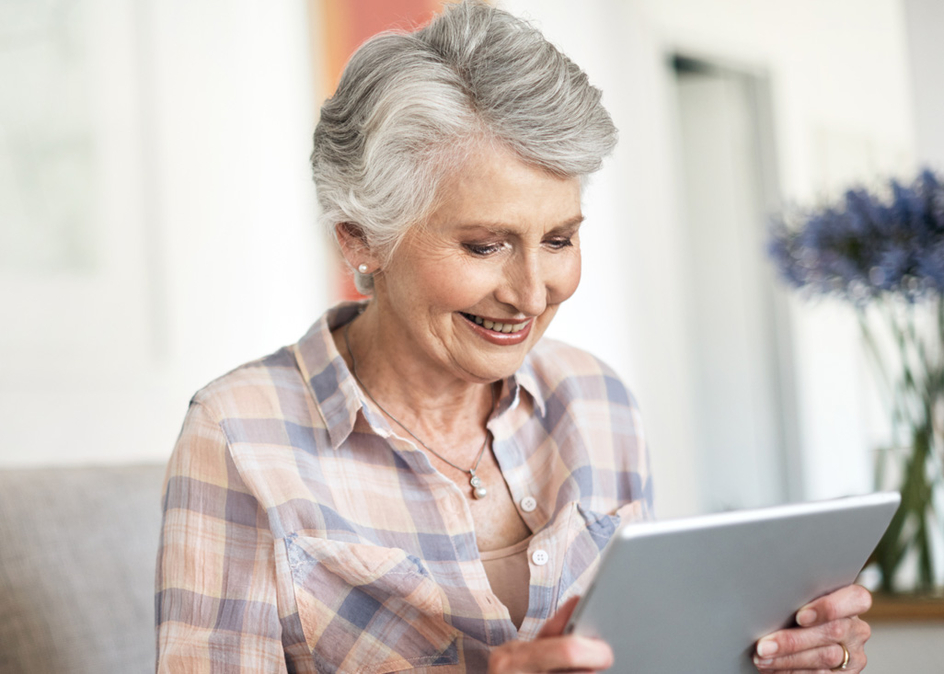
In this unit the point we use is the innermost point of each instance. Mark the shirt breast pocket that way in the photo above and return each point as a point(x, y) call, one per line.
point(589, 534)
point(363, 608)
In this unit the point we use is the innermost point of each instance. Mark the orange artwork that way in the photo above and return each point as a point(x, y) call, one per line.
point(340, 27)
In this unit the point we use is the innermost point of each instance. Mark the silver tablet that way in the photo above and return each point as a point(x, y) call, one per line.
point(695, 594)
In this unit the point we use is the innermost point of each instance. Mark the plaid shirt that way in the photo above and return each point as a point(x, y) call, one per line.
point(301, 535)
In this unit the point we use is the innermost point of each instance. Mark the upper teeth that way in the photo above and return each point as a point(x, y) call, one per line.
point(499, 327)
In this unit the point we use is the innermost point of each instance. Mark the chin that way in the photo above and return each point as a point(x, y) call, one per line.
point(491, 368)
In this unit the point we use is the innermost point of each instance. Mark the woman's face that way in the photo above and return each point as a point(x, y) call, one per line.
point(470, 292)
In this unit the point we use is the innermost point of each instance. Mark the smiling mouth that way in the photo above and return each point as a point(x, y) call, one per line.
point(506, 328)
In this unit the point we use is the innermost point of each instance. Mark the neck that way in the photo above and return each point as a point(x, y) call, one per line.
point(437, 408)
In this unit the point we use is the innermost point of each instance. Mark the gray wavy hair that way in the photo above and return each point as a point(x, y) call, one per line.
point(410, 106)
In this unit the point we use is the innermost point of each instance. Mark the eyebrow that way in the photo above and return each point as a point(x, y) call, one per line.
point(504, 230)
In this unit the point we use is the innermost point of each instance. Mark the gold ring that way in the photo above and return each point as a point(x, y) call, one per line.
point(841, 667)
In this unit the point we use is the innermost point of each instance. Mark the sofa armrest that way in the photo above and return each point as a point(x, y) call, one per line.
point(77, 555)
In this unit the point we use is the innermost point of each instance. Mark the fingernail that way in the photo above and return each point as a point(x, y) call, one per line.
point(766, 647)
point(762, 663)
point(806, 616)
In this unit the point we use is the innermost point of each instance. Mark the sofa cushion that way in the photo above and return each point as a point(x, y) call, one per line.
point(77, 555)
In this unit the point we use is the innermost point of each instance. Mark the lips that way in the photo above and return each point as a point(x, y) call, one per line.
point(503, 333)
point(496, 326)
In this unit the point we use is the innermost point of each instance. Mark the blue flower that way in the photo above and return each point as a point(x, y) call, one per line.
point(867, 244)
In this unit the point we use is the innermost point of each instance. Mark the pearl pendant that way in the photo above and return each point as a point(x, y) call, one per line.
point(477, 489)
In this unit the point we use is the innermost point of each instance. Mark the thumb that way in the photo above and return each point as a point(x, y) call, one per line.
point(554, 627)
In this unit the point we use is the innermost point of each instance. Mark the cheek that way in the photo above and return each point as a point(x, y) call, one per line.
point(458, 287)
point(429, 283)
point(564, 280)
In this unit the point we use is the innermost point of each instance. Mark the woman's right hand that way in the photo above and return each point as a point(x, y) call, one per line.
point(552, 652)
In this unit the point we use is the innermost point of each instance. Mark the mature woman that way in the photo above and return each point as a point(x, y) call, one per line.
point(422, 482)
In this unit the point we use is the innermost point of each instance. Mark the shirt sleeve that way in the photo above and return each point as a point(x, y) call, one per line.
point(639, 464)
point(216, 600)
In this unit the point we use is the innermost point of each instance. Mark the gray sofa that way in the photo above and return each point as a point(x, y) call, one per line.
point(77, 554)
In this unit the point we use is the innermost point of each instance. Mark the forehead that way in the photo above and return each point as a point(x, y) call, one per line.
point(493, 187)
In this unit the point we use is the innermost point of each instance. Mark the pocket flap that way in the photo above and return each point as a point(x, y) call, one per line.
point(366, 608)
point(590, 534)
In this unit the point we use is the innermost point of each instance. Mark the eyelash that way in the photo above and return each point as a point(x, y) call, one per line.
point(483, 250)
point(561, 242)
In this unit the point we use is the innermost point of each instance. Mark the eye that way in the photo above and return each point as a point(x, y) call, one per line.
point(483, 249)
point(559, 242)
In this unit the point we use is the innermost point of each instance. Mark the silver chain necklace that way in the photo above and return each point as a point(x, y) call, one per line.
point(478, 489)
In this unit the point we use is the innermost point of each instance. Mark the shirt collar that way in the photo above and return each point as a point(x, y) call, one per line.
point(526, 378)
point(337, 395)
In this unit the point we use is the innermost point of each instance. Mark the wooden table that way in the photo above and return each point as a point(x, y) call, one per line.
point(899, 608)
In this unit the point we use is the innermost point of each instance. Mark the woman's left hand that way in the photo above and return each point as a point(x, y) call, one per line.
point(826, 625)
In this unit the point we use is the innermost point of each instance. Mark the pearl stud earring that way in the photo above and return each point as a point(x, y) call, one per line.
point(362, 268)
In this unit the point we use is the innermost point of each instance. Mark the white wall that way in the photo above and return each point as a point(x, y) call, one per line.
point(903, 647)
point(925, 23)
point(204, 252)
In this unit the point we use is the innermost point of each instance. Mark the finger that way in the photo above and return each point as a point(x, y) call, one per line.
point(551, 654)
point(823, 658)
point(845, 602)
point(556, 623)
point(851, 631)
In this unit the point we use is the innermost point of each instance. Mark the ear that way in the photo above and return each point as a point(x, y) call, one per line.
point(354, 246)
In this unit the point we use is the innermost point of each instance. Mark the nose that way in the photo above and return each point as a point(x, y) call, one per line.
point(525, 284)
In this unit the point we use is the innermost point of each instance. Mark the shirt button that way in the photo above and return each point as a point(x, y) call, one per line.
point(528, 504)
point(540, 557)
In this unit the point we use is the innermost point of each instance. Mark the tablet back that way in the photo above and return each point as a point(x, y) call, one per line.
point(695, 594)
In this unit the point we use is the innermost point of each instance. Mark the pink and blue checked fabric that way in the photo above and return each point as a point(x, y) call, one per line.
point(302, 535)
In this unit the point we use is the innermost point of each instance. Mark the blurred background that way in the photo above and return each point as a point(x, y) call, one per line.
point(158, 223)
